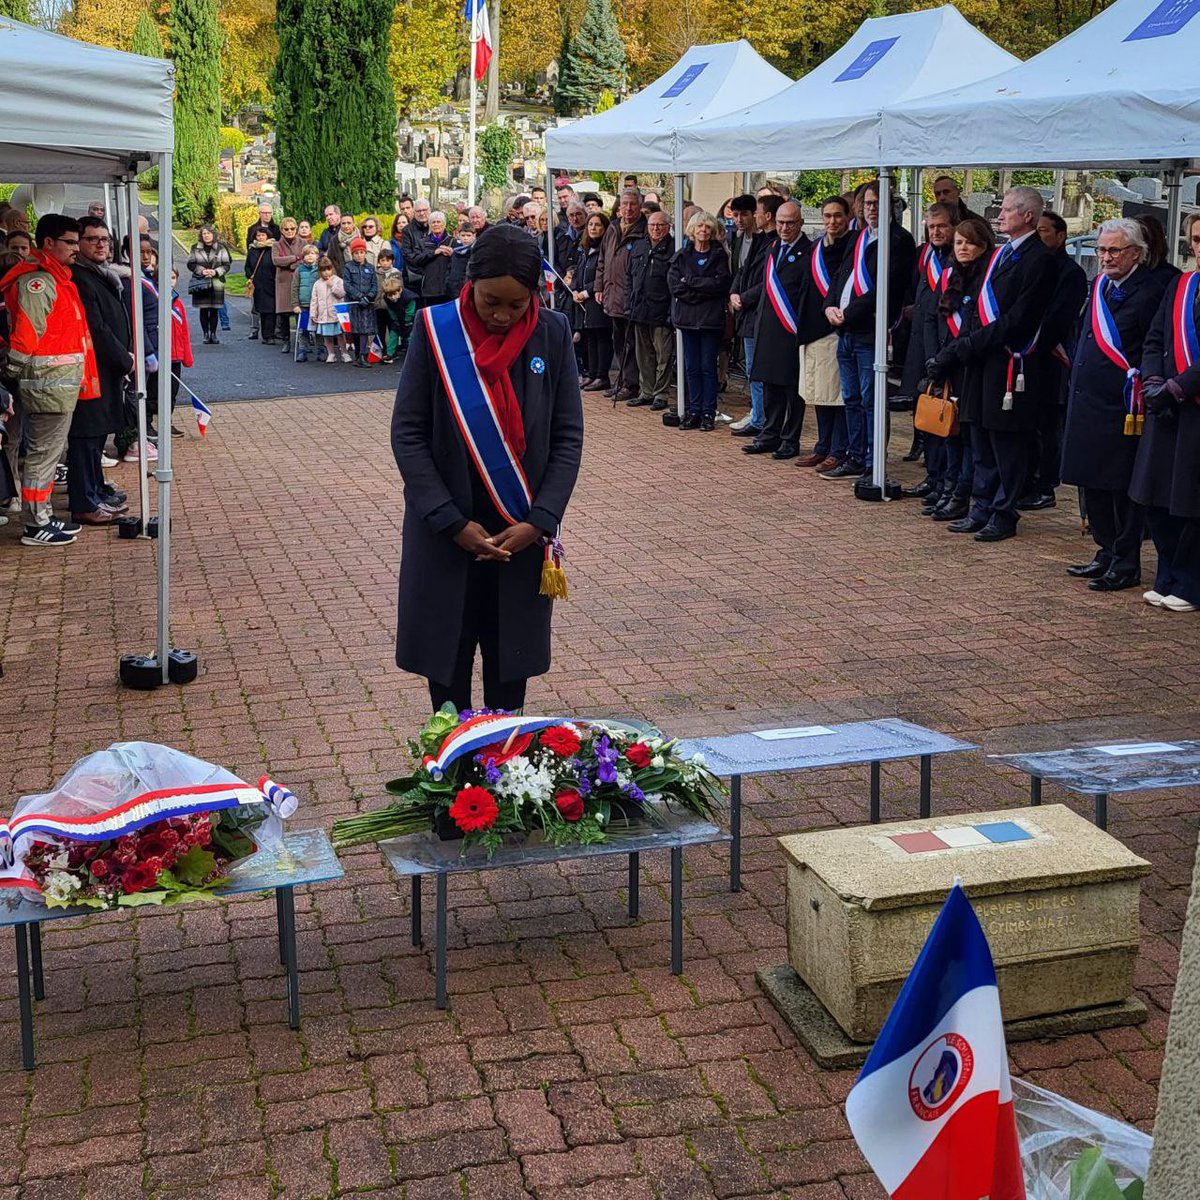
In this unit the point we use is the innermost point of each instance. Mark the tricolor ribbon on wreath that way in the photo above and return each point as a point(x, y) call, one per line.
point(1186, 338)
point(1108, 338)
point(477, 419)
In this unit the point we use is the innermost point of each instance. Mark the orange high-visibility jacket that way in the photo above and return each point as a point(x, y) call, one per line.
point(50, 348)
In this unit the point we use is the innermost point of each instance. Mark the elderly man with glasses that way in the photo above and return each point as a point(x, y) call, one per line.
point(1104, 404)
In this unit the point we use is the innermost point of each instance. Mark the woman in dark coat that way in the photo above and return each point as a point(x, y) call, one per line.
point(699, 280)
point(1166, 471)
point(439, 248)
point(260, 286)
point(592, 322)
point(470, 576)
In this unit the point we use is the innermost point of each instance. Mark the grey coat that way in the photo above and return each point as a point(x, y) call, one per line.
point(440, 496)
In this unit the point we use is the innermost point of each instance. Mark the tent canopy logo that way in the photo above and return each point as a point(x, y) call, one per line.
point(1167, 19)
point(867, 59)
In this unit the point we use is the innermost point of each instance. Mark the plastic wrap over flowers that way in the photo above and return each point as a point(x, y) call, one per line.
point(138, 823)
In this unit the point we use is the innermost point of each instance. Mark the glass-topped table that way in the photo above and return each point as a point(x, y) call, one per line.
point(807, 747)
point(421, 854)
point(305, 857)
point(1111, 767)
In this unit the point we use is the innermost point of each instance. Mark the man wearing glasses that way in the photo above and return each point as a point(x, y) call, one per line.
point(50, 354)
point(92, 500)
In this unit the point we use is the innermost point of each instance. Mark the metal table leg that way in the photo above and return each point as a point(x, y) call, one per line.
point(440, 951)
point(25, 1003)
point(35, 957)
point(926, 784)
point(1102, 810)
point(677, 910)
point(416, 911)
point(875, 793)
point(287, 933)
point(634, 885)
point(735, 828)
point(280, 921)
point(1035, 789)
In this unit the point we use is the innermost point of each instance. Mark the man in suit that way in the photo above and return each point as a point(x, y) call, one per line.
point(1007, 364)
point(1103, 426)
point(1060, 333)
point(776, 349)
point(745, 260)
point(946, 191)
point(850, 309)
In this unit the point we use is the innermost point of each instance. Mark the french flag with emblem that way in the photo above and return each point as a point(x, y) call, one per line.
point(932, 1110)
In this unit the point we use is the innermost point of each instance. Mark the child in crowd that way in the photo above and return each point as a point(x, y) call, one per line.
point(303, 279)
point(327, 293)
point(396, 315)
point(385, 269)
point(181, 347)
point(362, 286)
point(464, 239)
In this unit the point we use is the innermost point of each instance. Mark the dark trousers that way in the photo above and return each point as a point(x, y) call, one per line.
point(1116, 524)
point(480, 627)
point(625, 353)
point(208, 321)
point(784, 410)
point(599, 343)
point(1001, 462)
point(700, 347)
point(283, 326)
point(85, 477)
point(1046, 450)
point(1177, 540)
point(831, 430)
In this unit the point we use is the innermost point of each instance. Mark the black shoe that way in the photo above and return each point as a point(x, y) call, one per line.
point(1093, 570)
point(955, 510)
point(966, 525)
point(110, 495)
point(786, 452)
point(915, 452)
point(922, 489)
point(757, 447)
point(691, 421)
point(994, 533)
point(214, 341)
point(707, 425)
point(253, 336)
point(286, 348)
point(750, 431)
point(176, 431)
point(268, 341)
point(1037, 500)
point(657, 405)
point(847, 470)
point(639, 401)
point(1115, 582)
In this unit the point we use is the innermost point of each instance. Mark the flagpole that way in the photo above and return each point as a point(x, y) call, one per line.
point(473, 102)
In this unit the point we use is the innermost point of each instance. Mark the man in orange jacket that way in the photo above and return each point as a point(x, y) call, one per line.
point(50, 355)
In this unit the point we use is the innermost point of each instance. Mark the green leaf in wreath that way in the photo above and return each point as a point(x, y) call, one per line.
point(1092, 1178)
point(141, 899)
point(1135, 1190)
point(194, 867)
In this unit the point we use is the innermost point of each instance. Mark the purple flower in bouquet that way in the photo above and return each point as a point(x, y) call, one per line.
point(634, 793)
point(584, 786)
point(493, 773)
point(606, 760)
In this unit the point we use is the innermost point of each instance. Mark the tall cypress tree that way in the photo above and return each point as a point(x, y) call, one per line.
point(195, 42)
point(146, 38)
point(18, 10)
point(593, 61)
point(335, 139)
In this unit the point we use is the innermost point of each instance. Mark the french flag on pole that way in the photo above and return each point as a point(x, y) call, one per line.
point(375, 350)
point(343, 316)
point(203, 414)
point(476, 13)
point(932, 1110)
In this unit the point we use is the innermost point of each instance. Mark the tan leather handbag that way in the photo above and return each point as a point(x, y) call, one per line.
point(936, 413)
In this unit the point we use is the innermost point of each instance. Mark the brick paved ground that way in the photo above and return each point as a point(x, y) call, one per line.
point(709, 591)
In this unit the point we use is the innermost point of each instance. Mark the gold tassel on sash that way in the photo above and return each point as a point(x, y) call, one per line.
point(554, 578)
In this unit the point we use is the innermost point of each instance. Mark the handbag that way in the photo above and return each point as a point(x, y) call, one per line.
point(936, 414)
point(198, 285)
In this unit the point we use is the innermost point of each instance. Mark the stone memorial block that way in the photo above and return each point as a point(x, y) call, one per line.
point(1056, 896)
point(1189, 189)
point(1146, 186)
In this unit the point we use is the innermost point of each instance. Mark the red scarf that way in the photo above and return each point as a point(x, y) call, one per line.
point(495, 354)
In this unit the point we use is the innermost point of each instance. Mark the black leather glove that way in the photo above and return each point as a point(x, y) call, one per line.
point(1162, 395)
point(936, 370)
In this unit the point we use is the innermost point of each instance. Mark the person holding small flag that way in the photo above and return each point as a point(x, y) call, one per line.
point(487, 431)
point(1105, 406)
point(181, 347)
point(328, 294)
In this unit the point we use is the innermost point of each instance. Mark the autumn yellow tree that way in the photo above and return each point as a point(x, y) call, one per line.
point(248, 51)
point(104, 22)
point(427, 44)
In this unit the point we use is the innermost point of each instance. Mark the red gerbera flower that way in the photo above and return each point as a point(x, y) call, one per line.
point(474, 808)
point(499, 753)
point(561, 740)
point(639, 754)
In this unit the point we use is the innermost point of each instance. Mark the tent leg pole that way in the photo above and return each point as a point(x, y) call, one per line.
point(882, 267)
point(679, 235)
point(1174, 184)
point(916, 200)
point(551, 219)
point(163, 474)
point(139, 350)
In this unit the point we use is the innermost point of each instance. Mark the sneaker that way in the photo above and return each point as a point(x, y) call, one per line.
point(1177, 604)
point(115, 508)
point(60, 474)
point(302, 357)
point(110, 496)
point(71, 527)
point(151, 452)
point(14, 505)
point(106, 461)
point(130, 455)
point(176, 431)
point(46, 535)
point(3, 519)
point(347, 357)
point(1153, 598)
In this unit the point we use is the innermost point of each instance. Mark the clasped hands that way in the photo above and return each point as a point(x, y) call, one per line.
point(498, 547)
point(1161, 395)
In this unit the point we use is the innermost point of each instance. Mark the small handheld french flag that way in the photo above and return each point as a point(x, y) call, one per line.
point(551, 275)
point(203, 413)
point(932, 1111)
point(375, 350)
point(343, 316)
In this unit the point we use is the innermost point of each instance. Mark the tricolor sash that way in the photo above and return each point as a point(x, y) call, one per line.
point(926, 251)
point(862, 277)
point(1108, 338)
point(1183, 323)
point(933, 270)
point(475, 412)
point(820, 272)
point(778, 297)
point(954, 320)
point(989, 309)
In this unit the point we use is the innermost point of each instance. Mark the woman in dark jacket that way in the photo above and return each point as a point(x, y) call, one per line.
point(437, 258)
point(260, 286)
point(472, 575)
point(956, 314)
point(596, 326)
point(209, 263)
point(699, 279)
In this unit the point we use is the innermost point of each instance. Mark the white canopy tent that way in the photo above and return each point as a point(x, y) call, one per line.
point(831, 117)
point(78, 113)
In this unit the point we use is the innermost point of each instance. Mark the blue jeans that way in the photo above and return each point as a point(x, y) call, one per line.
point(223, 312)
point(856, 366)
point(758, 416)
point(700, 347)
point(831, 431)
